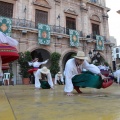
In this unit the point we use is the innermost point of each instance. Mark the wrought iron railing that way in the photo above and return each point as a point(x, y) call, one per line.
point(94, 37)
point(23, 23)
point(98, 2)
point(31, 25)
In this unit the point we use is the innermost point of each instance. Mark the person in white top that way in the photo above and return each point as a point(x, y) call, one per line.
point(74, 67)
point(45, 78)
point(102, 67)
point(116, 74)
point(36, 65)
point(59, 78)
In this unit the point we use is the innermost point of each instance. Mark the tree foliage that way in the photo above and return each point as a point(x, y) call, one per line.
point(23, 60)
point(54, 68)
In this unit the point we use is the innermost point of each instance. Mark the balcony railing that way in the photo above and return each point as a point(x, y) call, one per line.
point(97, 2)
point(23, 23)
point(94, 37)
point(31, 25)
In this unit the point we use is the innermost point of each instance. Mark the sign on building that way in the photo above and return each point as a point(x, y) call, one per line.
point(43, 34)
point(74, 38)
point(5, 25)
point(100, 42)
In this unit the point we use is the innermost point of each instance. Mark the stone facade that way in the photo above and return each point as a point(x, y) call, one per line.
point(85, 13)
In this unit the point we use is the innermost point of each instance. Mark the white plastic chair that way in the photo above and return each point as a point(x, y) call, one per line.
point(6, 76)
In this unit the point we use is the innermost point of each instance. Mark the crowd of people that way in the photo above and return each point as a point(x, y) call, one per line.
point(78, 74)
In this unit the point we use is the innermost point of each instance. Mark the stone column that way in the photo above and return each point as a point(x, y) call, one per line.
point(84, 17)
point(105, 24)
point(58, 12)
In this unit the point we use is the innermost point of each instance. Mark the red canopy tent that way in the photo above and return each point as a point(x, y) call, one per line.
point(5, 66)
point(8, 53)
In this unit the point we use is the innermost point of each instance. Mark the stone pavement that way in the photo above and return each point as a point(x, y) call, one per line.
point(23, 102)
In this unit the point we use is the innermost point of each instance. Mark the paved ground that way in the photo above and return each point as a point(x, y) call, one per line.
point(22, 102)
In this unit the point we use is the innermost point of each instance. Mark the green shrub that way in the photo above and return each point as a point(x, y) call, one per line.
point(54, 68)
point(23, 60)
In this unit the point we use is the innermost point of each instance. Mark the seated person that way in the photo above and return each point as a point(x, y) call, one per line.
point(59, 79)
point(45, 78)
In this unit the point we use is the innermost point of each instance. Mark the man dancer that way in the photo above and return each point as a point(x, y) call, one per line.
point(74, 78)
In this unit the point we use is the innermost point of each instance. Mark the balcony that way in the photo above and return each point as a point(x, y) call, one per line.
point(94, 37)
point(96, 2)
point(30, 25)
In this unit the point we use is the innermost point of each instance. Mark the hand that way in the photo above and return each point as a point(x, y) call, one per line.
point(47, 60)
point(69, 94)
point(99, 74)
point(102, 76)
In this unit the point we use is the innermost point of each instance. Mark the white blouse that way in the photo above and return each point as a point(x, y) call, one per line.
point(57, 78)
point(117, 75)
point(36, 63)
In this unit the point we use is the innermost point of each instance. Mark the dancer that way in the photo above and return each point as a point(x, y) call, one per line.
point(74, 78)
point(45, 78)
point(59, 78)
point(36, 65)
point(116, 75)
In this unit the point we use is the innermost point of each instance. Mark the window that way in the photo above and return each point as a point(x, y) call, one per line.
point(94, 1)
point(117, 55)
point(117, 50)
point(6, 9)
point(70, 23)
point(41, 17)
point(95, 29)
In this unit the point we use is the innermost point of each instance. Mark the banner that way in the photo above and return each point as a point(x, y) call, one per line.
point(74, 38)
point(5, 25)
point(100, 42)
point(43, 34)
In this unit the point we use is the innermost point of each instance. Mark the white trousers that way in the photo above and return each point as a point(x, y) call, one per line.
point(37, 82)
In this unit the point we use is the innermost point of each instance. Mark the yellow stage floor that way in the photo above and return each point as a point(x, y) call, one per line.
point(23, 102)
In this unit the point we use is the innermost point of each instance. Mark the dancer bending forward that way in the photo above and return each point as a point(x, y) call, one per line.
point(44, 79)
point(75, 78)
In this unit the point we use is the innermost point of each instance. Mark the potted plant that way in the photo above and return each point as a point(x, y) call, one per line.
point(54, 68)
point(24, 67)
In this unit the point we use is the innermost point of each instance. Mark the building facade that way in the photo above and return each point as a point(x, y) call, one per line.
point(116, 57)
point(88, 17)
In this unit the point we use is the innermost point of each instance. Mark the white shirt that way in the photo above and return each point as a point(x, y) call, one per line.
point(49, 78)
point(117, 75)
point(102, 67)
point(36, 63)
point(57, 76)
point(71, 70)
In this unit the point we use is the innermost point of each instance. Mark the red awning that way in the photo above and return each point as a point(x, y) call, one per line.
point(8, 53)
point(5, 66)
